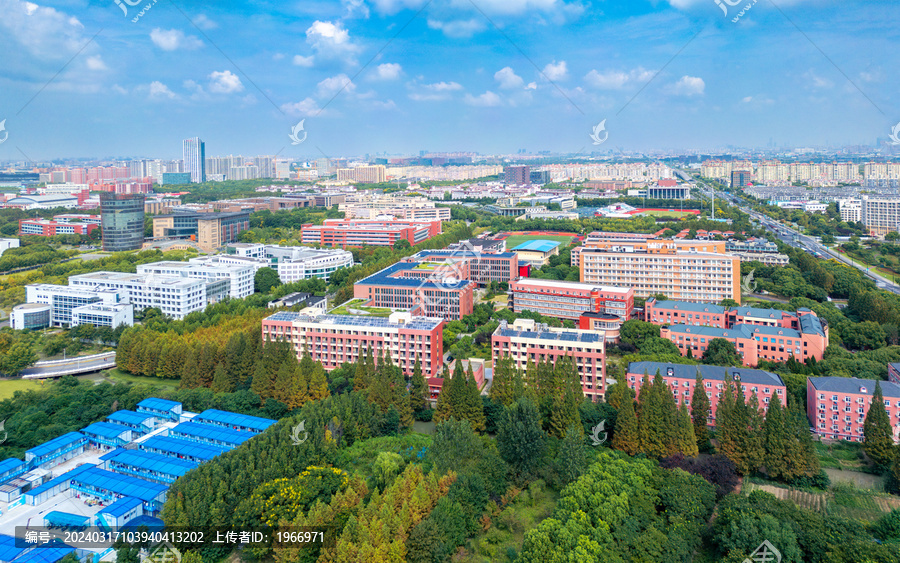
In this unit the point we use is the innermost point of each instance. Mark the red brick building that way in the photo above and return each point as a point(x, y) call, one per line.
point(59, 225)
point(681, 379)
point(338, 339)
point(837, 406)
point(344, 233)
point(569, 300)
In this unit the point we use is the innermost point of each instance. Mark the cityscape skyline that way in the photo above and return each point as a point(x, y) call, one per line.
point(399, 77)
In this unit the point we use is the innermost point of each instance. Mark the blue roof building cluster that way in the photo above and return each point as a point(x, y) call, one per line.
point(537, 246)
point(235, 421)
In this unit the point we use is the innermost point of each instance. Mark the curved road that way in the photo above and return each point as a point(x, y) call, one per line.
point(70, 366)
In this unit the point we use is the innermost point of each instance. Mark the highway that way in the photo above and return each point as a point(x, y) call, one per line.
point(799, 240)
point(71, 366)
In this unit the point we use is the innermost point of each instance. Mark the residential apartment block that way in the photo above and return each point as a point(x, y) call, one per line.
point(338, 339)
point(682, 380)
point(680, 269)
point(569, 300)
point(362, 174)
point(343, 233)
point(881, 215)
point(837, 406)
point(525, 339)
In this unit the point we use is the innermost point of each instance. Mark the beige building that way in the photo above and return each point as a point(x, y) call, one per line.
point(687, 270)
point(881, 215)
point(362, 174)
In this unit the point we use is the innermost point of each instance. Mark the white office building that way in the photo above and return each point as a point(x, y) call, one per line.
point(102, 314)
point(239, 276)
point(63, 300)
point(293, 263)
point(7, 243)
point(174, 296)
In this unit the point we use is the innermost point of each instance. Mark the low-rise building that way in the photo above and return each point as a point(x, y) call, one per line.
point(479, 267)
point(350, 233)
point(293, 263)
point(210, 230)
point(335, 340)
point(48, 228)
point(240, 277)
point(109, 315)
point(537, 253)
point(682, 379)
point(440, 288)
point(837, 406)
point(62, 300)
point(525, 340)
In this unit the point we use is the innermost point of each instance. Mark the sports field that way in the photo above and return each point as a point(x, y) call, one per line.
point(666, 213)
point(515, 239)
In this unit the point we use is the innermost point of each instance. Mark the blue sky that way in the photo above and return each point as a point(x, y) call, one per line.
point(81, 78)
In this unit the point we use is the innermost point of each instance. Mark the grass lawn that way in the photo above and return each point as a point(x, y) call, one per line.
point(356, 305)
point(10, 386)
point(117, 376)
point(840, 455)
point(514, 240)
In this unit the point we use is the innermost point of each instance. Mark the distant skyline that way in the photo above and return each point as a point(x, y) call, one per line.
point(399, 76)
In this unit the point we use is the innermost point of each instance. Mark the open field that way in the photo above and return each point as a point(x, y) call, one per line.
point(514, 240)
point(9, 386)
point(844, 500)
point(116, 376)
point(666, 213)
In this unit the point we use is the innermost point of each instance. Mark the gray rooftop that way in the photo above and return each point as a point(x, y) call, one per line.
point(717, 373)
point(416, 323)
point(853, 385)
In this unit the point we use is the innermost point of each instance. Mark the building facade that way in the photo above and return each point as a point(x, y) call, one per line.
point(525, 340)
point(194, 153)
point(569, 300)
point(122, 218)
point(49, 228)
point(339, 232)
point(682, 380)
point(435, 287)
point(335, 340)
point(837, 406)
point(240, 277)
point(688, 270)
point(210, 230)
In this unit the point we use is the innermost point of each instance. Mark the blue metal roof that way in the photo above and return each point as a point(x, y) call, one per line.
point(158, 404)
point(537, 245)
point(770, 330)
point(105, 430)
point(120, 484)
point(8, 549)
point(121, 506)
point(153, 462)
point(178, 446)
point(49, 553)
point(688, 306)
point(233, 419)
point(130, 417)
point(56, 444)
point(215, 433)
point(417, 323)
point(11, 464)
point(57, 518)
point(68, 475)
point(737, 331)
point(717, 373)
point(384, 278)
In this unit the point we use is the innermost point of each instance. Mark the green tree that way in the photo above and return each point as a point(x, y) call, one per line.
point(418, 389)
point(777, 441)
point(520, 439)
point(19, 356)
point(626, 436)
point(503, 386)
point(878, 440)
point(700, 413)
point(721, 352)
point(473, 406)
point(686, 439)
point(265, 280)
point(634, 332)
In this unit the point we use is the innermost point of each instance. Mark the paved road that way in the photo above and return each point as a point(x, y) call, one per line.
point(70, 366)
point(799, 240)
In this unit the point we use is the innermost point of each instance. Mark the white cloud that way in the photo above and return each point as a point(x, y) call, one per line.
point(443, 86)
point(305, 62)
point(817, 81)
point(225, 82)
point(173, 39)
point(356, 8)
point(508, 79)
point(159, 91)
point(689, 86)
point(43, 31)
point(501, 7)
point(331, 41)
point(459, 29)
point(488, 99)
point(758, 100)
point(95, 62)
point(203, 22)
point(331, 86)
point(556, 71)
point(304, 108)
point(614, 80)
point(388, 71)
